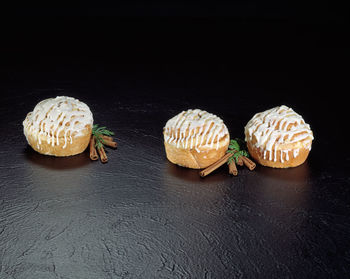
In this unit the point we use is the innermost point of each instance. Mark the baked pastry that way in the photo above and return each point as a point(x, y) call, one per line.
point(195, 139)
point(59, 126)
point(278, 138)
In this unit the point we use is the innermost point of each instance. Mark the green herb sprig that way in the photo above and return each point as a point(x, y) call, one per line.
point(235, 148)
point(98, 132)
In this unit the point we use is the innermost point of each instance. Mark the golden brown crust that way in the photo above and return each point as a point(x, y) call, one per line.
point(78, 144)
point(278, 137)
point(293, 161)
point(191, 158)
point(195, 138)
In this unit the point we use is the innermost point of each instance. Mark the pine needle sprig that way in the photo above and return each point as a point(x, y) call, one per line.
point(98, 132)
point(235, 148)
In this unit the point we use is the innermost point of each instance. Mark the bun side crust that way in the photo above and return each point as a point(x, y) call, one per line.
point(193, 159)
point(78, 145)
point(258, 155)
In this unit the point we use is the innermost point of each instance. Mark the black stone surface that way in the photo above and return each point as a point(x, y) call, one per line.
point(139, 216)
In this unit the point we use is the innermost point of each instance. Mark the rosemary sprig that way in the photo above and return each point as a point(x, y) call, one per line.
point(235, 148)
point(98, 132)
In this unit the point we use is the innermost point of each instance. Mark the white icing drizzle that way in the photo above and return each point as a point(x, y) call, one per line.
point(194, 129)
point(279, 125)
point(52, 116)
point(295, 152)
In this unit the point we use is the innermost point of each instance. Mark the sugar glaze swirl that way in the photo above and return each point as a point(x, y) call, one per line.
point(194, 129)
point(58, 117)
point(276, 127)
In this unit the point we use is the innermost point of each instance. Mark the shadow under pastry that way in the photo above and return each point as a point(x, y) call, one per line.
point(56, 163)
point(295, 174)
point(192, 175)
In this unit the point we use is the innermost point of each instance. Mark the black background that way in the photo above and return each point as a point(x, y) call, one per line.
point(136, 65)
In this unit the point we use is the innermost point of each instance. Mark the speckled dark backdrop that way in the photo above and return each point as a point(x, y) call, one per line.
point(139, 216)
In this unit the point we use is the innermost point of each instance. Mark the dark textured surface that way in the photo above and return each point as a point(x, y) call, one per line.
point(139, 216)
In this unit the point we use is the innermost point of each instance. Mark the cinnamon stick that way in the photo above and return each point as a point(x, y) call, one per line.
point(232, 168)
point(102, 154)
point(216, 165)
point(106, 138)
point(110, 143)
point(93, 152)
point(249, 163)
point(240, 161)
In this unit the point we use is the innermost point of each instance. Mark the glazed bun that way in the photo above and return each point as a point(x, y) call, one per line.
point(59, 126)
point(278, 138)
point(195, 139)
